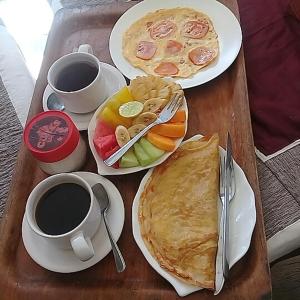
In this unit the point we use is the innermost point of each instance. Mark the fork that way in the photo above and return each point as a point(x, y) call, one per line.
point(166, 114)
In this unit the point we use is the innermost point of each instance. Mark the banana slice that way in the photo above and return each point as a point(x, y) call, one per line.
point(122, 135)
point(145, 118)
point(135, 129)
point(153, 105)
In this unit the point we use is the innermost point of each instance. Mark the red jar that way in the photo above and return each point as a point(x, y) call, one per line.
point(55, 142)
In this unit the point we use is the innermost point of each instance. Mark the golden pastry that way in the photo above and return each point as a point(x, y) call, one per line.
point(178, 212)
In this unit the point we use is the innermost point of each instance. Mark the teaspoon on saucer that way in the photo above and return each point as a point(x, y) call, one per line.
point(54, 103)
point(102, 197)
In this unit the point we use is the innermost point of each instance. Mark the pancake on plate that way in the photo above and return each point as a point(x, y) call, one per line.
point(175, 42)
point(178, 212)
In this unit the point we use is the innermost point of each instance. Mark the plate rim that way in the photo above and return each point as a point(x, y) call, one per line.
point(131, 72)
point(181, 288)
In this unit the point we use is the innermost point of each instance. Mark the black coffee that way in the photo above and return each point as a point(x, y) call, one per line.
point(76, 77)
point(62, 208)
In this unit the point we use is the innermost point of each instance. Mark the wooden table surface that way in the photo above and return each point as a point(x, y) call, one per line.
point(220, 105)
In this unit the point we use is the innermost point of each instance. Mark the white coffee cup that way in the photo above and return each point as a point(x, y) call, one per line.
point(79, 238)
point(88, 98)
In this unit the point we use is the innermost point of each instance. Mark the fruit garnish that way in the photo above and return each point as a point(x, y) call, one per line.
point(145, 118)
point(161, 142)
point(170, 129)
point(104, 144)
point(114, 119)
point(154, 152)
point(124, 95)
point(135, 129)
point(131, 109)
point(153, 105)
point(114, 104)
point(179, 117)
point(121, 97)
point(122, 135)
point(103, 129)
point(129, 160)
point(143, 158)
point(116, 165)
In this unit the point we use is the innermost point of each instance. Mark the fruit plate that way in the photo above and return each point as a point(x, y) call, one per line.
point(242, 219)
point(103, 169)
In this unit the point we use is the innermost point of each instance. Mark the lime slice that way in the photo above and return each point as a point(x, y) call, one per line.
point(131, 109)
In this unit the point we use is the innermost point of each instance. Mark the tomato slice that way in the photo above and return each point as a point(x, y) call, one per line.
point(195, 29)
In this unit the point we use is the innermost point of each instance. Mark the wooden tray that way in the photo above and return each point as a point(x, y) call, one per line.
point(218, 106)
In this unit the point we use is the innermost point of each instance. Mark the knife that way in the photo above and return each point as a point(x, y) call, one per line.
point(222, 266)
point(219, 279)
point(227, 186)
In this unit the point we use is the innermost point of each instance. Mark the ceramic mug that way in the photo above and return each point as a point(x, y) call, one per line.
point(89, 97)
point(78, 238)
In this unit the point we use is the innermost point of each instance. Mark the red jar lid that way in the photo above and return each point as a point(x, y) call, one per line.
point(51, 136)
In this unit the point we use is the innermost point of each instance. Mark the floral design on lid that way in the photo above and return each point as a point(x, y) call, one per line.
point(48, 133)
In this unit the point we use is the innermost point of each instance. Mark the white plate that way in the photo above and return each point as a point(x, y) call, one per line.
point(114, 81)
point(225, 23)
point(64, 261)
point(242, 218)
point(103, 169)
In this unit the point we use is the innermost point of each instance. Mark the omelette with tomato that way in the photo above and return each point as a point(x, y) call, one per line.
point(174, 42)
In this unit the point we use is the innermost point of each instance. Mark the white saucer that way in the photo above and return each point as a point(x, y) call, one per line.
point(115, 81)
point(64, 261)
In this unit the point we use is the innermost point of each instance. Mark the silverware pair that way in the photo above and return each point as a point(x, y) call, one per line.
point(227, 192)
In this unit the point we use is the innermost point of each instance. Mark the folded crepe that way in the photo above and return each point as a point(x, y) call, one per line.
point(178, 212)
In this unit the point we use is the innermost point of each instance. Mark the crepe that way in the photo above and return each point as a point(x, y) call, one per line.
point(178, 212)
point(175, 42)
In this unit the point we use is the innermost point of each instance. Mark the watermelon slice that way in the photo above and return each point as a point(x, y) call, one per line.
point(103, 129)
point(104, 144)
point(116, 165)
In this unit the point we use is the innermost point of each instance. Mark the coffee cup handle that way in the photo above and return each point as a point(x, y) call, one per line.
point(82, 246)
point(85, 48)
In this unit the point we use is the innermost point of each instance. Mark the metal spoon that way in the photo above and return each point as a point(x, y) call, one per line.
point(102, 197)
point(54, 103)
